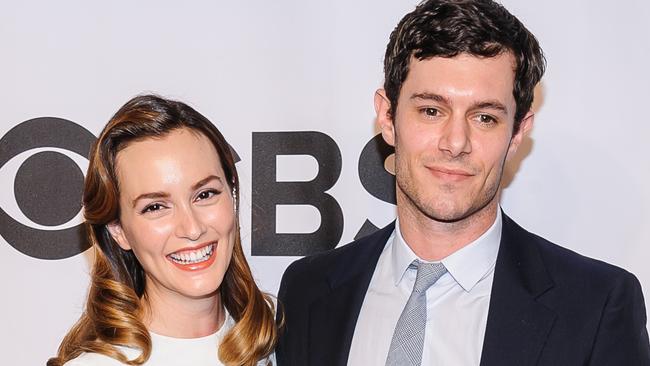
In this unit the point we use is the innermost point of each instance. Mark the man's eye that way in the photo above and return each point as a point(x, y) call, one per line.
point(430, 112)
point(486, 119)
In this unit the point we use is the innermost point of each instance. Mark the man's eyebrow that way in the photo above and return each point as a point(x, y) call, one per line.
point(491, 104)
point(431, 96)
point(150, 195)
point(487, 104)
point(205, 180)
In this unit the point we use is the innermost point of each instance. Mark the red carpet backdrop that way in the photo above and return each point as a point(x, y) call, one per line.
point(290, 84)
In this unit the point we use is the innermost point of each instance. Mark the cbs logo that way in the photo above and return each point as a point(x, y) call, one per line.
point(43, 159)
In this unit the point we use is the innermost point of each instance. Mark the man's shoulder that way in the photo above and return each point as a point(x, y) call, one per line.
point(568, 268)
point(332, 262)
point(572, 268)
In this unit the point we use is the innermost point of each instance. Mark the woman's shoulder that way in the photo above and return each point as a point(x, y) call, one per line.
point(98, 359)
point(268, 361)
point(93, 359)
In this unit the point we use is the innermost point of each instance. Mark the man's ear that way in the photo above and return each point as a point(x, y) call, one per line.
point(384, 119)
point(115, 229)
point(524, 128)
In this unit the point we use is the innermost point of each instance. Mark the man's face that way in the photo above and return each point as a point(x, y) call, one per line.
point(452, 133)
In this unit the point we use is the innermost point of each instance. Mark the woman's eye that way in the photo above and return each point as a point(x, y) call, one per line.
point(153, 208)
point(206, 194)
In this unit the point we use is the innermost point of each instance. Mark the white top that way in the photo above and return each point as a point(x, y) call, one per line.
point(168, 351)
point(457, 304)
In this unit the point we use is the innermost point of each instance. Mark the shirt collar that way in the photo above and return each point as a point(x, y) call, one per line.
point(467, 266)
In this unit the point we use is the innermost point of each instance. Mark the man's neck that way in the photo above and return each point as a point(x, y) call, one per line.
point(434, 240)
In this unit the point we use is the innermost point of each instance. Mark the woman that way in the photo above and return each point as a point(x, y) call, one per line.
point(170, 284)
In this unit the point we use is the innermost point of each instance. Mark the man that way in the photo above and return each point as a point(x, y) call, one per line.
point(454, 281)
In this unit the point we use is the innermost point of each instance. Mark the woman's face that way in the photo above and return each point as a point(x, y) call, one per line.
point(176, 214)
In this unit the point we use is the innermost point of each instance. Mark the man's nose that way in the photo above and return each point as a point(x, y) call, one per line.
point(455, 136)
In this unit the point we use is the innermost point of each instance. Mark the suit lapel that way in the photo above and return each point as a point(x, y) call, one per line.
point(333, 317)
point(517, 324)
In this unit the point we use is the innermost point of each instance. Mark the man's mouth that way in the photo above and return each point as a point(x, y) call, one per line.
point(450, 172)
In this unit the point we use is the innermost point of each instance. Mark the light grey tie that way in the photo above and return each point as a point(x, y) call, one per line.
point(408, 339)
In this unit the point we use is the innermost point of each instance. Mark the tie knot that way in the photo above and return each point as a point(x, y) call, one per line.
point(428, 274)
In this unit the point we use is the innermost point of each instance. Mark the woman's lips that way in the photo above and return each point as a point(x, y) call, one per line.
point(195, 258)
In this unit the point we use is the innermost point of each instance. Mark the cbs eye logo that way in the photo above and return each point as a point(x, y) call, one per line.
point(43, 160)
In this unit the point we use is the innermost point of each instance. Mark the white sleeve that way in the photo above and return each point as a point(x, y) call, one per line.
point(94, 359)
point(269, 361)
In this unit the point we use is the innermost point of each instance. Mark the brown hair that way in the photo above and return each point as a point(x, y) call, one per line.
point(114, 308)
point(447, 28)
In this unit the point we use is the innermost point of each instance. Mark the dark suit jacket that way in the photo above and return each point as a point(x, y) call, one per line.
point(549, 306)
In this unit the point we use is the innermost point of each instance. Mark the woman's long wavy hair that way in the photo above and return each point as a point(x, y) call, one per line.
point(114, 308)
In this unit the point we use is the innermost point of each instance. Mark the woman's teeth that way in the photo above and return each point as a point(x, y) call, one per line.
point(193, 256)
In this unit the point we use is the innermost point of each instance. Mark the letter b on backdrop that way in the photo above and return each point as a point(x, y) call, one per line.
point(267, 192)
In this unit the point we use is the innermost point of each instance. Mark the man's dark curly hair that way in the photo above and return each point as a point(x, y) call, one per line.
point(447, 28)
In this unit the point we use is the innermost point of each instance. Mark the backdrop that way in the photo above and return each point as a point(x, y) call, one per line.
point(290, 84)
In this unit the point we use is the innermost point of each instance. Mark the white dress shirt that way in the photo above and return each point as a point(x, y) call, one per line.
point(457, 304)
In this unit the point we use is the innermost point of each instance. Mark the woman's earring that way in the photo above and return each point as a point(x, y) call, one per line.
point(234, 198)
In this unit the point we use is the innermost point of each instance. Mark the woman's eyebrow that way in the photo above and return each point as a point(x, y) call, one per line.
point(150, 195)
point(205, 180)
